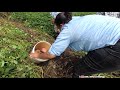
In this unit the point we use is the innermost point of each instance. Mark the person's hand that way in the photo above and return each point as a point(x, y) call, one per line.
point(35, 54)
point(43, 50)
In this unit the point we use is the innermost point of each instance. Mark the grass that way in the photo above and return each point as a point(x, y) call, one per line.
point(39, 20)
point(17, 38)
point(14, 52)
point(82, 13)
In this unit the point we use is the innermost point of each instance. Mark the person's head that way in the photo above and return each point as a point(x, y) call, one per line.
point(54, 14)
point(62, 18)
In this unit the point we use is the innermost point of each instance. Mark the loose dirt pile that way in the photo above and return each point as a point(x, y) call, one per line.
point(60, 67)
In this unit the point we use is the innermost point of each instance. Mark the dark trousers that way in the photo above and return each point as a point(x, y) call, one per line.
point(102, 60)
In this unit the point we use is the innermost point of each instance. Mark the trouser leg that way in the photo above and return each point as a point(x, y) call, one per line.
point(98, 61)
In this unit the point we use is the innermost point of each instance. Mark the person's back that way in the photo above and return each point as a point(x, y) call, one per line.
point(93, 31)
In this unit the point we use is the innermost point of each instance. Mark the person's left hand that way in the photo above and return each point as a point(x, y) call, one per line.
point(36, 54)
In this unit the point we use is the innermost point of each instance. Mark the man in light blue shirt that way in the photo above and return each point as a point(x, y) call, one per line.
point(96, 34)
point(85, 34)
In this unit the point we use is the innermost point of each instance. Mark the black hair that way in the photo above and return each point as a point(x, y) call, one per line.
point(63, 18)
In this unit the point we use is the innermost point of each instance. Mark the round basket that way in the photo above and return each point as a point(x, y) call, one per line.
point(39, 46)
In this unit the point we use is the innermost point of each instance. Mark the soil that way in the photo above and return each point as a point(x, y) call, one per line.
point(60, 67)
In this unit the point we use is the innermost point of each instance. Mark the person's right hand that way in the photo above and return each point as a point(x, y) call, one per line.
point(35, 54)
point(43, 50)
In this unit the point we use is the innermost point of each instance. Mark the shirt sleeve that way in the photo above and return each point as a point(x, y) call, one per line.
point(61, 43)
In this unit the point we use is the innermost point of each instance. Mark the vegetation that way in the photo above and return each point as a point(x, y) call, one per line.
point(15, 46)
point(19, 32)
point(39, 20)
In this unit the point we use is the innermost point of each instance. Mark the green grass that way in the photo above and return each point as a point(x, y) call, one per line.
point(15, 43)
point(14, 51)
point(82, 13)
point(39, 20)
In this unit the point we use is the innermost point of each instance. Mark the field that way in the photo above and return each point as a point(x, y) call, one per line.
point(19, 32)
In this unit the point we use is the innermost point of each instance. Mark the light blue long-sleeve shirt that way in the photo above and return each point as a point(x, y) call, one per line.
point(87, 33)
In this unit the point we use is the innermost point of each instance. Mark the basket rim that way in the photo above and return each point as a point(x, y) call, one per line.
point(40, 60)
